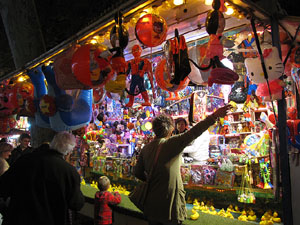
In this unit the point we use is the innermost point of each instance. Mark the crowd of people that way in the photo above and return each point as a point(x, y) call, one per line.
point(38, 186)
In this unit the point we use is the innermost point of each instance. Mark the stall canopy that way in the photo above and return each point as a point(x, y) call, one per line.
point(188, 18)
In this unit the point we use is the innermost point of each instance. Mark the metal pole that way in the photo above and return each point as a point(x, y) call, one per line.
point(283, 150)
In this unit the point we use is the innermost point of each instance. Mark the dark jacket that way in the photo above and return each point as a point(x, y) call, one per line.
point(42, 187)
point(17, 153)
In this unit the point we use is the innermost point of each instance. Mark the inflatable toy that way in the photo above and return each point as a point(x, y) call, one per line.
point(138, 67)
point(72, 112)
point(64, 75)
point(37, 78)
point(151, 30)
point(275, 70)
point(90, 69)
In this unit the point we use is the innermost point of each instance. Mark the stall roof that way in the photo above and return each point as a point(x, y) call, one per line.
point(188, 18)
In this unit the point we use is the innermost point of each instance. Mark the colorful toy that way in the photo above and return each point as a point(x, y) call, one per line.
point(138, 67)
point(151, 30)
point(195, 215)
point(64, 75)
point(275, 71)
point(265, 174)
point(90, 69)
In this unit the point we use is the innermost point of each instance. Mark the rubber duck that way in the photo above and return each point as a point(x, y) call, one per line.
point(243, 216)
point(230, 208)
point(275, 218)
point(236, 209)
point(196, 205)
point(222, 213)
point(202, 206)
point(266, 222)
point(82, 182)
point(195, 215)
point(206, 209)
point(213, 211)
point(229, 215)
point(251, 216)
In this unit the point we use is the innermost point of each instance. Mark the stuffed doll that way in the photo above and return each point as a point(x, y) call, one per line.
point(275, 69)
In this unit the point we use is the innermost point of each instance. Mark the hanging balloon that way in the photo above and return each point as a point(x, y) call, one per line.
point(119, 35)
point(151, 30)
point(6, 124)
point(215, 21)
point(89, 68)
point(163, 78)
point(62, 67)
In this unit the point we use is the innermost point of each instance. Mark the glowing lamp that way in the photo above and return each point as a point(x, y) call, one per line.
point(208, 2)
point(178, 2)
point(148, 125)
point(229, 11)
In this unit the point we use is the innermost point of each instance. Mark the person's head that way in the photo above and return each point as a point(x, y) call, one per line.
point(63, 142)
point(181, 124)
point(24, 140)
point(5, 150)
point(103, 183)
point(163, 125)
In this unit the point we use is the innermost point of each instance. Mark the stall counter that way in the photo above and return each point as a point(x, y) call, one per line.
point(128, 208)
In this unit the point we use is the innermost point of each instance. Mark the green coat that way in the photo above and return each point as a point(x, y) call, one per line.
point(166, 197)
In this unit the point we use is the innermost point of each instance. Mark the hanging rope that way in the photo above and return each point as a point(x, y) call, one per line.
point(262, 63)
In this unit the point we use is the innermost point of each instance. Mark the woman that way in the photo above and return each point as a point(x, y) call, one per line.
point(165, 202)
point(5, 152)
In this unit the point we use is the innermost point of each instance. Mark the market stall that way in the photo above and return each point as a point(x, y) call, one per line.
point(186, 60)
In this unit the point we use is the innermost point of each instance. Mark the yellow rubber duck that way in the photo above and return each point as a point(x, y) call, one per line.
point(275, 218)
point(243, 216)
point(202, 206)
point(206, 209)
point(266, 222)
point(251, 216)
point(195, 215)
point(229, 215)
point(213, 211)
point(83, 182)
point(230, 208)
point(236, 209)
point(196, 205)
point(222, 213)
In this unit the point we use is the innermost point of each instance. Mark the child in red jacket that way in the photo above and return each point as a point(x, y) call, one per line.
point(103, 201)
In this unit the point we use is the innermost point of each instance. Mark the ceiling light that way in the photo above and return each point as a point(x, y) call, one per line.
point(177, 2)
point(229, 11)
point(208, 2)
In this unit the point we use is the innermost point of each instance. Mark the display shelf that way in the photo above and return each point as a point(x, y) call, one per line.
point(236, 134)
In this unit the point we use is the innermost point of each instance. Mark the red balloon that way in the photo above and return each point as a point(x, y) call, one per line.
point(292, 113)
point(89, 68)
point(151, 30)
point(47, 105)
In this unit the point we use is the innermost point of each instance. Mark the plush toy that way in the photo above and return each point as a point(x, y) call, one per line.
point(138, 67)
point(275, 69)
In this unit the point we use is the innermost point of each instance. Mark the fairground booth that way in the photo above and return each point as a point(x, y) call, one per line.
point(183, 58)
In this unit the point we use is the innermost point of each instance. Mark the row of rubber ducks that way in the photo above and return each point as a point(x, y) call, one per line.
point(112, 188)
point(268, 218)
point(208, 209)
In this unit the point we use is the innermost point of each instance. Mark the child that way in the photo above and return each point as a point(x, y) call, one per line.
point(103, 200)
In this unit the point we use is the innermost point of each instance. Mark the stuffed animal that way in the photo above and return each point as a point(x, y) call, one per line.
point(275, 69)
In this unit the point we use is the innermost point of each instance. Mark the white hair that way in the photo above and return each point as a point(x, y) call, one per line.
point(63, 142)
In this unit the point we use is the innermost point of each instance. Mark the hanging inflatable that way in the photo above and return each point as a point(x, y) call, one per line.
point(163, 78)
point(198, 76)
point(275, 70)
point(72, 112)
point(37, 78)
point(64, 75)
point(151, 30)
point(90, 69)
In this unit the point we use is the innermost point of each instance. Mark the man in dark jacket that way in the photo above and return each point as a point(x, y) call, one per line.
point(22, 149)
point(42, 186)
